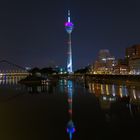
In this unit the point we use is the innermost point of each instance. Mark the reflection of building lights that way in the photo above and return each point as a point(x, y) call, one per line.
point(134, 94)
point(92, 87)
point(102, 89)
point(113, 90)
point(114, 94)
point(104, 98)
point(112, 99)
point(125, 91)
point(107, 89)
point(120, 91)
point(65, 82)
point(108, 98)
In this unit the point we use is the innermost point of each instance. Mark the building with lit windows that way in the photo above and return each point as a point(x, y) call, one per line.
point(134, 65)
point(133, 59)
point(133, 52)
point(121, 67)
point(104, 63)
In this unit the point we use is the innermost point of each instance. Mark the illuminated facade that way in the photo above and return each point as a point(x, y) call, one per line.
point(69, 28)
point(133, 59)
point(133, 52)
point(104, 64)
point(134, 65)
point(121, 67)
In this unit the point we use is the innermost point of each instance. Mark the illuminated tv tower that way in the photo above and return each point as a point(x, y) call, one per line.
point(69, 28)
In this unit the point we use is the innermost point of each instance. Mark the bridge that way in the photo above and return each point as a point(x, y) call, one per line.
point(11, 71)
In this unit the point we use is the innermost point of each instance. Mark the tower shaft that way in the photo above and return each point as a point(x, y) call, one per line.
point(69, 59)
point(69, 28)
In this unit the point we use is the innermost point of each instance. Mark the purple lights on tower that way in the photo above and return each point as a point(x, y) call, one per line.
point(69, 27)
point(68, 24)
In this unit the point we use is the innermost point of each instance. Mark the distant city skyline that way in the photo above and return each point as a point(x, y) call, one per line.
point(32, 32)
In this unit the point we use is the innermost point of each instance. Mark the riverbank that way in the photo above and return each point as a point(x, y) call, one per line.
point(133, 80)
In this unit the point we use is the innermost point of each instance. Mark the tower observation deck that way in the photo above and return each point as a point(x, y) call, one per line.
point(69, 28)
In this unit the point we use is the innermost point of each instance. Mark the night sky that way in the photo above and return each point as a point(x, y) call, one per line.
point(32, 32)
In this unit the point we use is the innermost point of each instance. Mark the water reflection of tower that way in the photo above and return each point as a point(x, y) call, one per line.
point(70, 125)
point(69, 28)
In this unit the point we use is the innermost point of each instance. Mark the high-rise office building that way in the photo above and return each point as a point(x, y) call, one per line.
point(133, 52)
point(104, 63)
point(133, 58)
